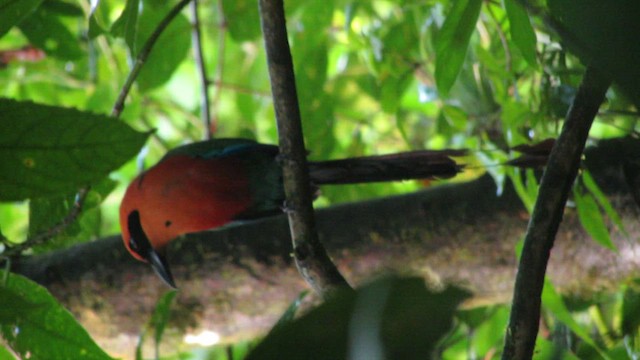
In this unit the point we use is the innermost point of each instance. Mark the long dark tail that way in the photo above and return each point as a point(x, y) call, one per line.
point(423, 164)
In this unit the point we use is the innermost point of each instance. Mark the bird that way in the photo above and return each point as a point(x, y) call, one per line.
point(208, 184)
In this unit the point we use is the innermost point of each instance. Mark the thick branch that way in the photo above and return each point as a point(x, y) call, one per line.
point(547, 214)
point(311, 258)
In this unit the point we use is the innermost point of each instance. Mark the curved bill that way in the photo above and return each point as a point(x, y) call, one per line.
point(161, 267)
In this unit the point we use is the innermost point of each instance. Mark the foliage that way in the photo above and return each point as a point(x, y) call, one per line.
point(36, 326)
point(372, 77)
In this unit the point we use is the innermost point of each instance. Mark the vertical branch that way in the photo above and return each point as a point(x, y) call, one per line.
point(311, 258)
point(555, 185)
point(202, 71)
point(222, 33)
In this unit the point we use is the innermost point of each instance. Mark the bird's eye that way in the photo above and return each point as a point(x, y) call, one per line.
point(138, 241)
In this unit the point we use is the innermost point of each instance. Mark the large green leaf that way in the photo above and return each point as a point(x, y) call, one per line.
point(522, 33)
point(453, 40)
point(35, 326)
point(389, 318)
point(12, 12)
point(48, 150)
point(169, 51)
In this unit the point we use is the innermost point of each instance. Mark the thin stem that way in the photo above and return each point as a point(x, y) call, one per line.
point(56, 229)
point(196, 39)
point(143, 55)
point(222, 34)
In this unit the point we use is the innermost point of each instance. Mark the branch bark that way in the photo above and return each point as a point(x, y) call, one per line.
point(555, 185)
point(312, 260)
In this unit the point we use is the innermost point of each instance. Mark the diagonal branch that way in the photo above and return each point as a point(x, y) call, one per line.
point(196, 39)
point(311, 258)
point(143, 55)
point(555, 185)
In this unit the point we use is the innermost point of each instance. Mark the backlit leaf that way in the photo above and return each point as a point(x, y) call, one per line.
point(453, 40)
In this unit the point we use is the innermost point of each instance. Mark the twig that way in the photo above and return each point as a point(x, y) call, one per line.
point(222, 30)
point(311, 258)
point(547, 214)
point(202, 70)
point(56, 229)
point(143, 55)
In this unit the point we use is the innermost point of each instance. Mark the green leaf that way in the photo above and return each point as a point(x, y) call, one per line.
point(591, 185)
point(631, 308)
point(33, 323)
point(47, 32)
point(127, 24)
point(44, 213)
point(12, 12)
point(452, 42)
point(161, 314)
point(522, 33)
point(63, 8)
point(242, 19)
point(99, 12)
point(5, 354)
point(592, 220)
point(553, 302)
point(391, 318)
point(47, 150)
point(169, 51)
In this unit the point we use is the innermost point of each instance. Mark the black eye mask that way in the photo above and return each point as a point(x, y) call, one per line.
point(139, 243)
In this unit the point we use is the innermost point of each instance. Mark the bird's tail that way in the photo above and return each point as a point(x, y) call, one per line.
point(422, 164)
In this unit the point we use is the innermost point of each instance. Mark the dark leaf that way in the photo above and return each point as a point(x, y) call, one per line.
point(12, 12)
point(47, 150)
point(392, 318)
point(35, 326)
point(631, 309)
point(604, 34)
point(46, 31)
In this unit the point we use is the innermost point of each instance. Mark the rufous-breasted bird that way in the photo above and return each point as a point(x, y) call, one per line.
point(211, 183)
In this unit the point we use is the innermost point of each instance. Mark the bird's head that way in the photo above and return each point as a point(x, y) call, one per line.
point(140, 245)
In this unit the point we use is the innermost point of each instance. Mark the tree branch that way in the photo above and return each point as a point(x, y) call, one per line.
point(143, 55)
point(547, 214)
point(55, 230)
point(311, 258)
point(202, 70)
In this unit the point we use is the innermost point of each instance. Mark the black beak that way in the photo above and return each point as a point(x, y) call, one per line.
point(161, 267)
point(140, 244)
